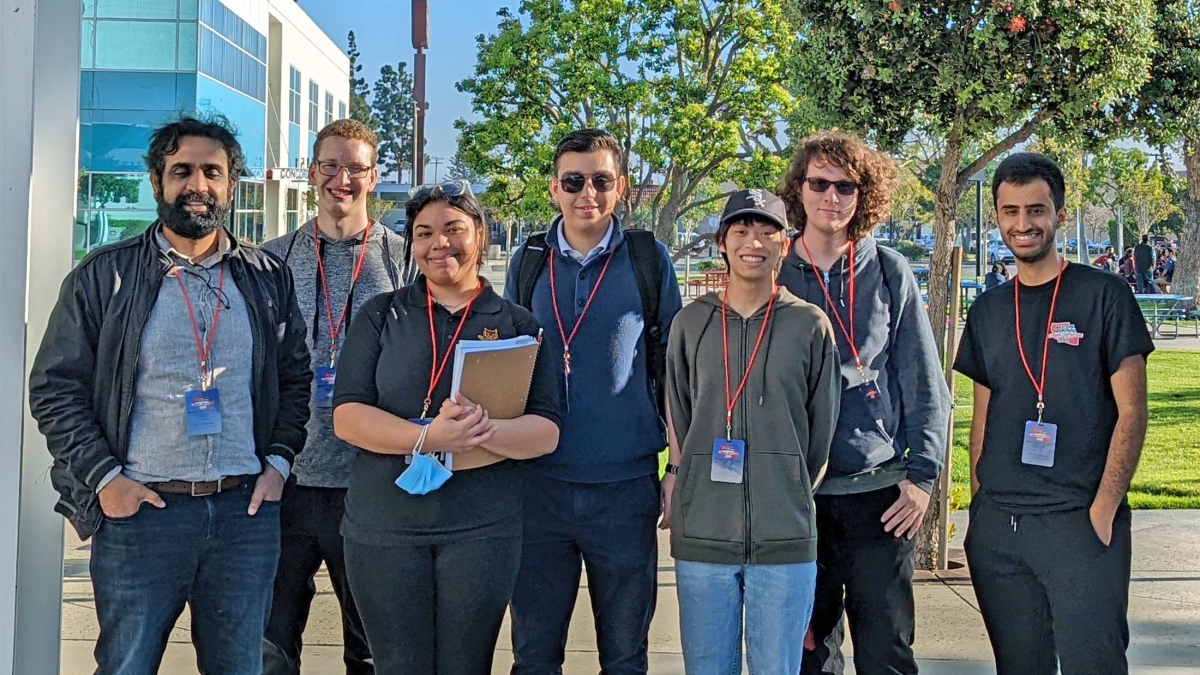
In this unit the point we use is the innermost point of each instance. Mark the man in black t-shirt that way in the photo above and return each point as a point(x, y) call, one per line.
point(1144, 260)
point(1060, 417)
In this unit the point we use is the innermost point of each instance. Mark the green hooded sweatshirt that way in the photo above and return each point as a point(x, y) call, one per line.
point(786, 415)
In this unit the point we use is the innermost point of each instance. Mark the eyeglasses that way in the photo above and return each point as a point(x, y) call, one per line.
point(575, 182)
point(333, 168)
point(820, 186)
point(450, 188)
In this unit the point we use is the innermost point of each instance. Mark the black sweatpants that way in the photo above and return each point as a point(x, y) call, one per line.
point(1051, 593)
point(434, 609)
point(309, 520)
point(864, 573)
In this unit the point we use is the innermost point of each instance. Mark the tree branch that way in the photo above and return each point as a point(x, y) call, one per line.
point(702, 202)
point(1019, 136)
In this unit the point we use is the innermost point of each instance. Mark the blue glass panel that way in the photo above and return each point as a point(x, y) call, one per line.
point(87, 45)
point(98, 228)
point(187, 9)
point(185, 93)
point(247, 115)
point(294, 151)
point(136, 9)
point(122, 191)
point(206, 50)
point(187, 45)
point(135, 45)
point(85, 89)
point(89, 8)
point(85, 139)
point(206, 11)
point(133, 91)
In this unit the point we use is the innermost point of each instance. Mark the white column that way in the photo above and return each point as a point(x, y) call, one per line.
point(39, 47)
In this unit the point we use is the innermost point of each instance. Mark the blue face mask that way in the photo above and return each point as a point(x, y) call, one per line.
point(423, 476)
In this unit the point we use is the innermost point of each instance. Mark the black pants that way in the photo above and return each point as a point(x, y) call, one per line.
point(434, 610)
point(1051, 593)
point(610, 528)
point(309, 520)
point(864, 573)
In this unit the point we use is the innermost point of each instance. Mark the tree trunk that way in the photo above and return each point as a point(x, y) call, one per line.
point(1187, 265)
point(925, 552)
point(664, 227)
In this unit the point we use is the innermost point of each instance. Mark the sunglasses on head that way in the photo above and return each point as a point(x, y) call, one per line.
point(575, 182)
point(450, 188)
point(843, 187)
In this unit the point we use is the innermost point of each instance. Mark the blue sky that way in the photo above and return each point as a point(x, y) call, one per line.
point(383, 29)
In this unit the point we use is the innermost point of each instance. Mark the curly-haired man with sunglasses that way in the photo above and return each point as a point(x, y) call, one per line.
point(606, 297)
point(890, 440)
point(339, 260)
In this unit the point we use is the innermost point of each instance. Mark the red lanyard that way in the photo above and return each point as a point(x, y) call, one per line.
point(335, 329)
point(833, 310)
point(436, 371)
point(567, 339)
point(1038, 386)
point(732, 399)
point(204, 347)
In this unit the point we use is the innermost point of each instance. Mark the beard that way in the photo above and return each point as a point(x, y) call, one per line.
point(193, 226)
point(1038, 255)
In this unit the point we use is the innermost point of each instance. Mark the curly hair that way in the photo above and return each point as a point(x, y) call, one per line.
point(164, 141)
point(349, 129)
point(874, 172)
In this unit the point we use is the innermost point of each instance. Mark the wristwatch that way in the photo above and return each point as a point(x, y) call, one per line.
point(673, 469)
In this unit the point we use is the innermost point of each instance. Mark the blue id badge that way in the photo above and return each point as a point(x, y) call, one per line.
point(445, 458)
point(728, 460)
point(325, 379)
point(1038, 447)
point(203, 412)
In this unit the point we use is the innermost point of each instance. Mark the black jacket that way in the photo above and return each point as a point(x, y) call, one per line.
point(81, 388)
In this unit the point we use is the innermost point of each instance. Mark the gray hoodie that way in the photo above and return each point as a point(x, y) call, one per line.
point(786, 417)
point(898, 351)
point(327, 460)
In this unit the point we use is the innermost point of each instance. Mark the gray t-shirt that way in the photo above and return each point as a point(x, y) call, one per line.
point(326, 460)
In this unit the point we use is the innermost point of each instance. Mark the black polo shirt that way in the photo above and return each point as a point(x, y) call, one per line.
point(1097, 325)
point(385, 363)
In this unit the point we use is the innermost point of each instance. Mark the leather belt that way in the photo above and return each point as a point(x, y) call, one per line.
point(197, 489)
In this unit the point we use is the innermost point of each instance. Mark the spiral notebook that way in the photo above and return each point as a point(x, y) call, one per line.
point(495, 374)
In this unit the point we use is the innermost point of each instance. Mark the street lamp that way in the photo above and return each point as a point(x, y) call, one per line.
point(978, 179)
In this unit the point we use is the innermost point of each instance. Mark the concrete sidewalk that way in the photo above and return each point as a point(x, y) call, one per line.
point(1164, 614)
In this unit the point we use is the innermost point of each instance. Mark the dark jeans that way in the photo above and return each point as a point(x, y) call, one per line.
point(205, 552)
point(864, 573)
point(1145, 282)
point(610, 528)
point(309, 520)
point(437, 609)
point(1051, 593)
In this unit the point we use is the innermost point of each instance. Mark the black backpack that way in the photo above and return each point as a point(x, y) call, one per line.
point(647, 267)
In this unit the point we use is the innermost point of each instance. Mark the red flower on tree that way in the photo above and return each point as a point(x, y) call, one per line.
point(1017, 24)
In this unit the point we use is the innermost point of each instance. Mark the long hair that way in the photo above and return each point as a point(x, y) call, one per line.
point(874, 172)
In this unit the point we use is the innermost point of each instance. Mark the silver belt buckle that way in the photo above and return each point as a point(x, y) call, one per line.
point(206, 494)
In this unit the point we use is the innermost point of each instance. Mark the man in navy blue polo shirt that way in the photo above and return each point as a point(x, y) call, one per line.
point(606, 298)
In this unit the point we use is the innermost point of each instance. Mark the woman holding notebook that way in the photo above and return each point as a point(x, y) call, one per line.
point(432, 553)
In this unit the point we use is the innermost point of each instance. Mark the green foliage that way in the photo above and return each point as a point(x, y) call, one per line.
point(715, 264)
point(460, 168)
point(1122, 178)
point(910, 250)
point(694, 90)
point(360, 109)
point(108, 188)
point(392, 105)
point(378, 207)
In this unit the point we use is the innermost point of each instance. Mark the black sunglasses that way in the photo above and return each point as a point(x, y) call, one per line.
point(843, 187)
point(450, 188)
point(575, 182)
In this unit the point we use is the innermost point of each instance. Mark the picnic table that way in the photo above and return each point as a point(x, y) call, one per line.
point(969, 290)
point(1160, 308)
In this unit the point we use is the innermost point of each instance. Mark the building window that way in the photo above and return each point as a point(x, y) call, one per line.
point(314, 92)
point(87, 47)
point(294, 98)
point(328, 108)
point(135, 45)
point(225, 63)
point(134, 9)
point(248, 216)
point(341, 110)
point(187, 45)
point(292, 204)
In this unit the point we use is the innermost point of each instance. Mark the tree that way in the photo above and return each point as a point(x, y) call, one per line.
point(966, 69)
point(377, 207)
point(1122, 179)
point(694, 90)
point(360, 109)
point(393, 107)
point(460, 168)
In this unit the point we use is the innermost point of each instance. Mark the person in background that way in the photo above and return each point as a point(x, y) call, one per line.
point(432, 556)
point(1144, 260)
point(748, 402)
point(1166, 275)
point(997, 277)
point(1128, 269)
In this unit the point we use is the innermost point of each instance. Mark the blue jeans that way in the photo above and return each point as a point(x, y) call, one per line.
point(202, 551)
point(778, 601)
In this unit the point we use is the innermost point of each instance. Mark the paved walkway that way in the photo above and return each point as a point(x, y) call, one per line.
point(1164, 614)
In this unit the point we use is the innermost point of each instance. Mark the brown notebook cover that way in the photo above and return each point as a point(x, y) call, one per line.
point(499, 381)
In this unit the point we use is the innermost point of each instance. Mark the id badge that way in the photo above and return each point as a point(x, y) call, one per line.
point(445, 458)
point(1038, 446)
point(203, 412)
point(870, 393)
point(728, 460)
point(325, 379)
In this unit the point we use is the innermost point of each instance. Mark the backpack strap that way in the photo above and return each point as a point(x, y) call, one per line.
point(647, 268)
point(533, 259)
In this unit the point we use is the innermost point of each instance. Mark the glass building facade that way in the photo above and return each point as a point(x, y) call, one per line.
point(147, 62)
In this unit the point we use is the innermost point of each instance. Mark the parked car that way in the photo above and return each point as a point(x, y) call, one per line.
point(999, 253)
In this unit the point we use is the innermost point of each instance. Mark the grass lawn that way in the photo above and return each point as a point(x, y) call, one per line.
point(1168, 476)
